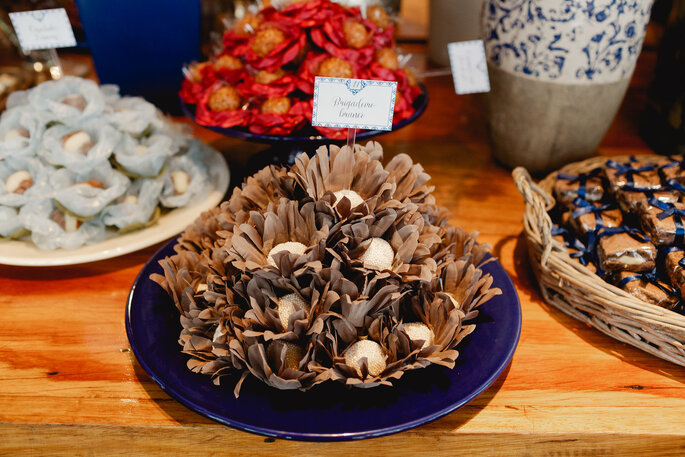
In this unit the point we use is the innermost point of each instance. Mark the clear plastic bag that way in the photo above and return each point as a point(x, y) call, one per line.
point(103, 137)
point(49, 100)
point(10, 223)
point(75, 193)
point(38, 216)
point(145, 157)
point(197, 184)
point(20, 133)
point(126, 212)
point(22, 180)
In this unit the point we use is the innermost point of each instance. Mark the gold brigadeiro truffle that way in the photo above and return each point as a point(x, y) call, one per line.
point(227, 62)
point(293, 355)
point(334, 67)
point(356, 35)
point(266, 39)
point(387, 57)
point(225, 98)
point(288, 305)
point(369, 349)
point(294, 247)
point(354, 198)
point(378, 255)
point(379, 17)
point(277, 105)
point(418, 331)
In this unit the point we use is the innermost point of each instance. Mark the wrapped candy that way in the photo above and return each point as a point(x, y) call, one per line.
point(79, 148)
point(338, 269)
point(647, 287)
point(635, 201)
point(52, 228)
point(184, 180)
point(22, 179)
point(69, 101)
point(587, 217)
point(20, 132)
point(642, 175)
point(663, 222)
point(84, 195)
point(674, 169)
point(586, 186)
point(136, 208)
point(134, 116)
point(675, 267)
point(279, 120)
point(11, 225)
point(144, 158)
point(623, 248)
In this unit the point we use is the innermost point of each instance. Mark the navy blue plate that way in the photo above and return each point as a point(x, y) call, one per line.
point(308, 135)
point(328, 412)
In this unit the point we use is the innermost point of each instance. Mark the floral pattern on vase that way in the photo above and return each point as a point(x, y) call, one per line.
point(566, 41)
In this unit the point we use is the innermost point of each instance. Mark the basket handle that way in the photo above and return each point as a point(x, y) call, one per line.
point(538, 201)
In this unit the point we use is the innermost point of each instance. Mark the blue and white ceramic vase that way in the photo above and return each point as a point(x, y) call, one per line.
point(558, 72)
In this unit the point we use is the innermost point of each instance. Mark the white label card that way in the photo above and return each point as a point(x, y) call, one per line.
point(43, 29)
point(353, 103)
point(469, 68)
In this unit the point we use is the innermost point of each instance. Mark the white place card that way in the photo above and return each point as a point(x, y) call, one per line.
point(43, 29)
point(353, 103)
point(469, 68)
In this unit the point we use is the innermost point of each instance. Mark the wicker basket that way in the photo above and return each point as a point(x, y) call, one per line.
point(578, 292)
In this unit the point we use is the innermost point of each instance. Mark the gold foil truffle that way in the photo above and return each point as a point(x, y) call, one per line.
point(369, 350)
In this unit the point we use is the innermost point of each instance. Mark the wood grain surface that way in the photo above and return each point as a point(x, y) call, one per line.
point(69, 384)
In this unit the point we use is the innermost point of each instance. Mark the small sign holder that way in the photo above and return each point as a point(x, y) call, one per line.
point(40, 33)
point(353, 104)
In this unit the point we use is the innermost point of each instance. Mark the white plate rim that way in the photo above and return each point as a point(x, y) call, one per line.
point(25, 253)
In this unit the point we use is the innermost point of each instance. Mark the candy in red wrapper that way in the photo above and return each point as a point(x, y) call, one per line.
point(280, 124)
point(200, 76)
point(281, 87)
point(226, 119)
point(331, 37)
point(272, 47)
point(306, 14)
point(312, 66)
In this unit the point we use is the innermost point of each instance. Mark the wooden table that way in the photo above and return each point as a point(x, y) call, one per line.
point(70, 385)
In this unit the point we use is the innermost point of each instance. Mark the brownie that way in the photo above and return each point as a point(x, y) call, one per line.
point(635, 173)
point(667, 230)
point(621, 251)
point(587, 186)
point(675, 267)
point(636, 201)
point(584, 220)
point(675, 169)
point(647, 288)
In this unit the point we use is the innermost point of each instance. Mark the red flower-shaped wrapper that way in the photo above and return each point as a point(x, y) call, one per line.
point(282, 54)
point(224, 119)
point(403, 106)
point(192, 91)
point(331, 38)
point(308, 70)
point(279, 88)
point(381, 38)
point(306, 14)
point(280, 124)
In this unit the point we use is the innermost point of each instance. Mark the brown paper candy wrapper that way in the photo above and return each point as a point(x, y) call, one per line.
point(647, 290)
point(623, 252)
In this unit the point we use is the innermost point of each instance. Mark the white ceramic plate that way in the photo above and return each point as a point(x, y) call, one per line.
point(23, 252)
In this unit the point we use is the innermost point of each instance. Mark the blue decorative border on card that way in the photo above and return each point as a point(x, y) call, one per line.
point(365, 83)
point(43, 13)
